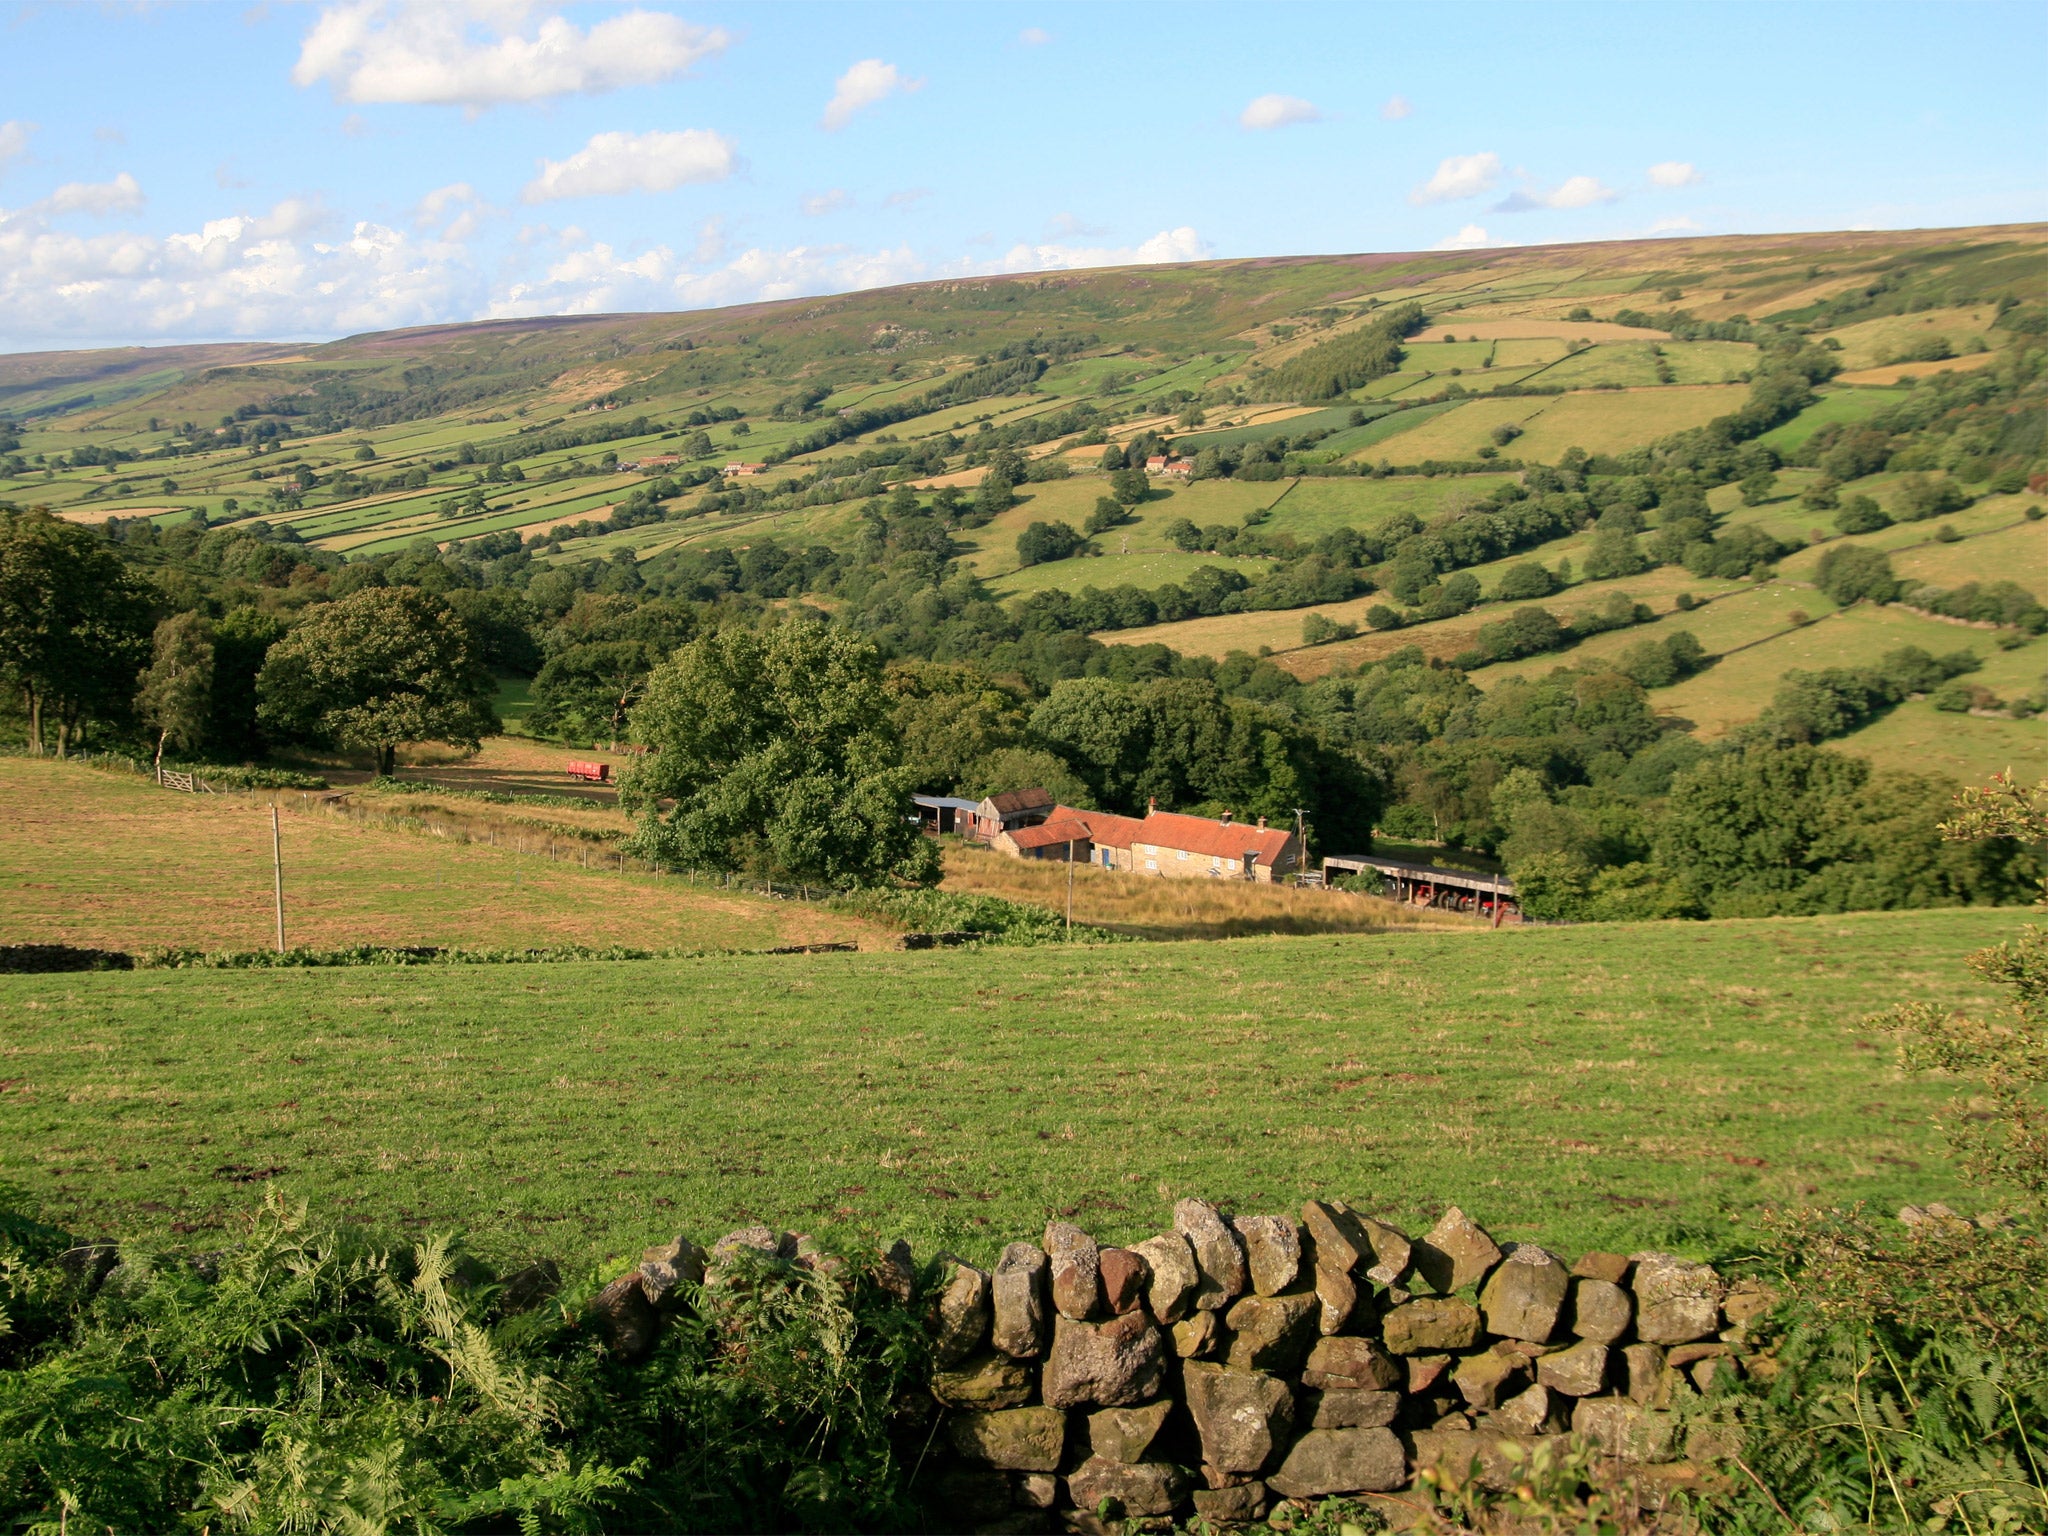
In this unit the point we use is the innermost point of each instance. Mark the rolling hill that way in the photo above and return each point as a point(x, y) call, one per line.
point(607, 438)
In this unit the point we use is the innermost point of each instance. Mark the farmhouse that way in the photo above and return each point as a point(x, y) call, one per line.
point(1160, 843)
point(655, 461)
point(1169, 464)
point(945, 813)
point(746, 469)
point(1012, 809)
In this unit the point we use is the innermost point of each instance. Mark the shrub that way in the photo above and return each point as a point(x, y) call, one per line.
point(1043, 543)
point(1524, 582)
point(1924, 496)
point(1861, 514)
point(1380, 616)
point(1850, 573)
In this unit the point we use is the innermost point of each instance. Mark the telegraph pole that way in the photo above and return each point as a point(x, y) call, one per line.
point(1301, 837)
point(1070, 890)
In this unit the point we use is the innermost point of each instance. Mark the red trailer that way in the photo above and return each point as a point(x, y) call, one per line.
point(591, 773)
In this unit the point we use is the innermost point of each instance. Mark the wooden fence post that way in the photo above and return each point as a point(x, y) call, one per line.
point(277, 873)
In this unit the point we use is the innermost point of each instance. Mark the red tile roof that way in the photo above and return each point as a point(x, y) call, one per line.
point(1061, 830)
point(1216, 839)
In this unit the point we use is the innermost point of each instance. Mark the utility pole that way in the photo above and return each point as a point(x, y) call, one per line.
point(1301, 838)
point(1070, 890)
point(277, 873)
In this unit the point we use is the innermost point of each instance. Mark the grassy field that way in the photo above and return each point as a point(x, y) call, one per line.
point(1870, 343)
point(1603, 421)
point(1737, 688)
point(1280, 629)
point(94, 858)
point(1835, 405)
point(1621, 1086)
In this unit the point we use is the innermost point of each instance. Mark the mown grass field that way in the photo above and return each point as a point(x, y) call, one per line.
point(1619, 1086)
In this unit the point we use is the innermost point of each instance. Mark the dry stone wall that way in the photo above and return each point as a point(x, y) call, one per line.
point(1236, 1360)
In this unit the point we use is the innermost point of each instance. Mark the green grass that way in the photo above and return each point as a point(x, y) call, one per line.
point(1619, 1086)
point(1319, 506)
point(1356, 439)
point(1835, 407)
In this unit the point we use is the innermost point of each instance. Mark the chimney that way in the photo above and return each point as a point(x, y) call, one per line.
point(1226, 818)
point(1151, 805)
point(1262, 823)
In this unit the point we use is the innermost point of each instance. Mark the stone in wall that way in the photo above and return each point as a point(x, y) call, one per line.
point(1174, 1279)
point(1243, 1417)
point(960, 1311)
point(1219, 1257)
point(1018, 1301)
point(1076, 1271)
point(1113, 1363)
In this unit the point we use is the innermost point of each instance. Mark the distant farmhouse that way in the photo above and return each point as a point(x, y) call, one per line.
point(746, 469)
point(1030, 824)
point(1169, 464)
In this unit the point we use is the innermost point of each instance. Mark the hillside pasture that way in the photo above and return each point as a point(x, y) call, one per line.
point(1886, 339)
point(94, 858)
point(1896, 373)
point(1352, 440)
point(1318, 505)
point(1280, 629)
point(1535, 326)
point(1837, 406)
point(1732, 617)
point(1736, 689)
point(1612, 1086)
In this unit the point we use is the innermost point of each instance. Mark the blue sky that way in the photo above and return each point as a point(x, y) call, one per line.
point(208, 171)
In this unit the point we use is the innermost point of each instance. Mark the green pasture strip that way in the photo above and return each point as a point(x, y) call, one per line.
point(1609, 1086)
point(1335, 416)
point(1357, 439)
point(1836, 407)
point(1380, 428)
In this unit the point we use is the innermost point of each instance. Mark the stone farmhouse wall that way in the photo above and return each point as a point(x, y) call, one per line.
point(1210, 1370)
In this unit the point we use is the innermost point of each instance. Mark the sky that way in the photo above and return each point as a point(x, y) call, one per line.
point(214, 171)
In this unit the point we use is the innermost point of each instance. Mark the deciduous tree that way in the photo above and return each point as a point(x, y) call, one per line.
point(382, 666)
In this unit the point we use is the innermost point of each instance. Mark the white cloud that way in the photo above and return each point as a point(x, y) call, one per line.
point(598, 278)
point(612, 163)
point(120, 195)
point(1397, 107)
point(819, 204)
point(1181, 244)
point(1065, 225)
point(711, 242)
point(1471, 238)
point(14, 139)
point(1034, 37)
point(1573, 192)
point(1276, 111)
point(909, 197)
point(862, 86)
point(485, 52)
point(455, 207)
point(1679, 225)
point(241, 275)
point(1673, 173)
point(1459, 176)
